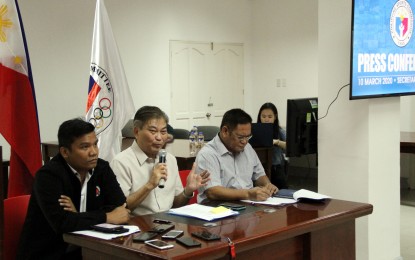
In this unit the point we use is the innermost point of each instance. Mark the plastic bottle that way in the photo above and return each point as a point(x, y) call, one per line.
point(200, 140)
point(193, 140)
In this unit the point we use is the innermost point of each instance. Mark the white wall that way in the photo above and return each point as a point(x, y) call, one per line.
point(284, 46)
point(305, 42)
point(407, 114)
point(59, 35)
point(358, 140)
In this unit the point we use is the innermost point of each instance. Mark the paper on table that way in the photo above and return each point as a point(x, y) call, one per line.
point(307, 194)
point(107, 236)
point(202, 212)
point(273, 201)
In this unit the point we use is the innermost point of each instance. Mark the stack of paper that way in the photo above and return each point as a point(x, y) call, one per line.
point(301, 194)
point(291, 196)
point(203, 212)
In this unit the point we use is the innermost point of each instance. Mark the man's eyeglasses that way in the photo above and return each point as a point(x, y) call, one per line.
point(155, 132)
point(242, 138)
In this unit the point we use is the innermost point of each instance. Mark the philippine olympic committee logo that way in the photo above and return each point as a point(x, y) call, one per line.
point(100, 99)
point(401, 23)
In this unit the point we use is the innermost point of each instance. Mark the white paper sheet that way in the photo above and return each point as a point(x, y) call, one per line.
point(107, 236)
point(201, 212)
point(274, 201)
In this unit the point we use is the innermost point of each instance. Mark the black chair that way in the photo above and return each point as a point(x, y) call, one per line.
point(128, 129)
point(179, 133)
point(209, 131)
point(127, 135)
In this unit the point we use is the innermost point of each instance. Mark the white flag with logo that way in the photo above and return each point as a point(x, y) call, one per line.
point(109, 104)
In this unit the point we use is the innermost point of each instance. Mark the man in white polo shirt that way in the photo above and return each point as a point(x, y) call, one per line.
point(139, 172)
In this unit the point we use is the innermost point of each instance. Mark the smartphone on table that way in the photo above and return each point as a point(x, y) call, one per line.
point(159, 244)
point(109, 228)
point(161, 228)
point(206, 235)
point(161, 221)
point(233, 206)
point(144, 236)
point(172, 234)
point(188, 241)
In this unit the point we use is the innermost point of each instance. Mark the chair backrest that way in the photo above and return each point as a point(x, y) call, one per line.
point(15, 210)
point(183, 176)
point(179, 133)
point(128, 129)
point(209, 131)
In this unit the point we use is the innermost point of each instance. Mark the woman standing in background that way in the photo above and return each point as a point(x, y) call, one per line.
point(268, 113)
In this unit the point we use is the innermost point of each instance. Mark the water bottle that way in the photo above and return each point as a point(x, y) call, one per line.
point(200, 140)
point(193, 140)
point(194, 131)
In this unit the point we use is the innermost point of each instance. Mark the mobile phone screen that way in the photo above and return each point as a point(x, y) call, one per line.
point(188, 241)
point(162, 228)
point(143, 236)
point(158, 244)
point(206, 235)
point(233, 206)
point(172, 234)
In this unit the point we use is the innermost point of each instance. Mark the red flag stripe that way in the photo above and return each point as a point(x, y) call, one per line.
point(92, 95)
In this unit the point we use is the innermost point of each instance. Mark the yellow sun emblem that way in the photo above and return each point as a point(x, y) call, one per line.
point(4, 23)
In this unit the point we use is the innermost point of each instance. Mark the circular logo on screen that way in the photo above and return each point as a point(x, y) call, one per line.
point(401, 23)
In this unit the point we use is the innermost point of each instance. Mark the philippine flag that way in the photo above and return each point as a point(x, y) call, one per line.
point(109, 104)
point(18, 118)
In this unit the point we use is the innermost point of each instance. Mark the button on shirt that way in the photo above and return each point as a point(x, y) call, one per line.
point(235, 171)
point(133, 169)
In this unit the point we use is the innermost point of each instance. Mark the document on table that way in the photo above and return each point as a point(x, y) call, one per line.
point(283, 197)
point(203, 212)
point(274, 201)
point(92, 233)
point(302, 194)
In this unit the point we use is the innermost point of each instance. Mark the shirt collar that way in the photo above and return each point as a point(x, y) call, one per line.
point(140, 155)
point(221, 148)
point(91, 172)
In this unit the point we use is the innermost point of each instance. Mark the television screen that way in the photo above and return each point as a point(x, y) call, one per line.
point(382, 49)
point(301, 127)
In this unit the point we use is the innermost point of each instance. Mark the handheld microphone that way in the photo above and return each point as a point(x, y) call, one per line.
point(162, 159)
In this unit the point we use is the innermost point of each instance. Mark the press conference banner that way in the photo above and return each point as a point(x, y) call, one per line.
point(383, 47)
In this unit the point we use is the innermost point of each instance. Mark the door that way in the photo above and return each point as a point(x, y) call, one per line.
point(206, 81)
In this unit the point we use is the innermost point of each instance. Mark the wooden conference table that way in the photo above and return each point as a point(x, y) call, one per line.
point(322, 230)
point(179, 148)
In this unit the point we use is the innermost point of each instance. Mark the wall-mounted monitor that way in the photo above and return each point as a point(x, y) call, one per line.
point(382, 49)
point(301, 127)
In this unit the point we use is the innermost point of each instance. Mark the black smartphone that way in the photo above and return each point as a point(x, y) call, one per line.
point(144, 236)
point(206, 235)
point(233, 206)
point(161, 221)
point(109, 228)
point(161, 228)
point(172, 234)
point(188, 241)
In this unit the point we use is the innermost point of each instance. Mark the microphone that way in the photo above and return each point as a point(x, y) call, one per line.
point(162, 159)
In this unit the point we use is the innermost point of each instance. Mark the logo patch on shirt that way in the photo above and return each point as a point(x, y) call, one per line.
point(97, 191)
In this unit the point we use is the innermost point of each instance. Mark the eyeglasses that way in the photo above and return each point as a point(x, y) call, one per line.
point(155, 132)
point(242, 138)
